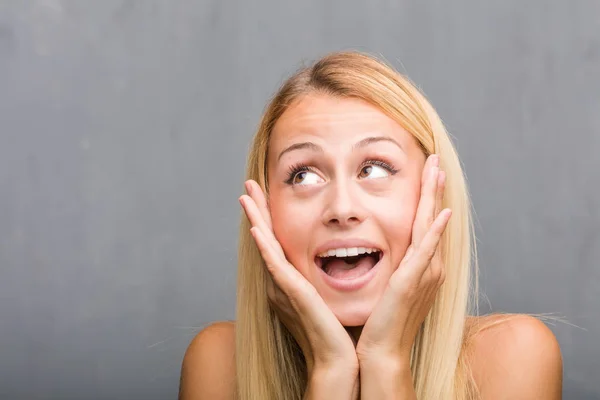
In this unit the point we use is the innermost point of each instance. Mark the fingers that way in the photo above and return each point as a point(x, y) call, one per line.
point(257, 217)
point(272, 260)
point(256, 193)
point(289, 290)
point(284, 275)
point(441, 185)
point(254, 215)
point(293, 298)
point(259, 222)
point(429, 245)
point(256, 209)
point(436, 262)
point(281, 275)
point(426, 211)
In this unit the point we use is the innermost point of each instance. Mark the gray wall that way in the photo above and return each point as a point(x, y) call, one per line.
point(123, 132)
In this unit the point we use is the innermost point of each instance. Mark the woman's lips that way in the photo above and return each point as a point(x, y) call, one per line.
point(348, 284)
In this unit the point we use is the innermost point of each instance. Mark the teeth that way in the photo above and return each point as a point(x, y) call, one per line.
point(341, 252)
point(347, 252)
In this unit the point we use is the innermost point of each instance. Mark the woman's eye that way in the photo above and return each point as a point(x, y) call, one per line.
point(304, 175)
point(373, 172)
point(306, 178)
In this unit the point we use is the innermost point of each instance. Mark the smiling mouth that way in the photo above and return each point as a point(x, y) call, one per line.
point(348, 267)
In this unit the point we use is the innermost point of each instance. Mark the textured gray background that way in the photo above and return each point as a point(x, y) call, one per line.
point(123, 132)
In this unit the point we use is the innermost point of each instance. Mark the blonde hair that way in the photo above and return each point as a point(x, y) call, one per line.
point(269, 364)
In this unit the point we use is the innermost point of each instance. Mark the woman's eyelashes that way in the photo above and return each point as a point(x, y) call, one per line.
point(305, 175)
point(298, 173)
point(385, 169)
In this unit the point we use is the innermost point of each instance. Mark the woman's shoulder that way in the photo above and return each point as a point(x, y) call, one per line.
point(515, 355)
point(208, 367)
point(512, 355)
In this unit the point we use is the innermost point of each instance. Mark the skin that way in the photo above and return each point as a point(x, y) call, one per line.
point(340, 199)
point(370, 330)
point(366, 179)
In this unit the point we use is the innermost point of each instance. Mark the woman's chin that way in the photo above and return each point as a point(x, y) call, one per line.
point(352, 312)
point(352, 317)
point(353, 321)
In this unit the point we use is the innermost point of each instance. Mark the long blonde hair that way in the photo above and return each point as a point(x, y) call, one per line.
point(269, 364)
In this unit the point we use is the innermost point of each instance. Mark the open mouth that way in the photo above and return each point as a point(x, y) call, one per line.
point(338, 264)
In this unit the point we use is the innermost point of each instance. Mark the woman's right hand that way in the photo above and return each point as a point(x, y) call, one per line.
point(324, 341)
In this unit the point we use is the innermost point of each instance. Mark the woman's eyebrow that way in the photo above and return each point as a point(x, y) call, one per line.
point(303, 145)
point(376, 139)
point(363, 143)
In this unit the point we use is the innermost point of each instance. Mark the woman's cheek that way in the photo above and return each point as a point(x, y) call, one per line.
point(290, 232)
point(396, 223)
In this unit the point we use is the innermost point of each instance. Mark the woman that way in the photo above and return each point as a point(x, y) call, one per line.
point(354, 259)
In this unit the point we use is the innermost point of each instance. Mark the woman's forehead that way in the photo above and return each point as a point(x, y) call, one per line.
point(335, 121)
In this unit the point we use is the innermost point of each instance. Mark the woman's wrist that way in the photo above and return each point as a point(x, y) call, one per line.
point(339, 381)
point(398, 363)
point(386, 378)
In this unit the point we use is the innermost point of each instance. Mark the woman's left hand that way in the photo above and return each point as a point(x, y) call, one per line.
point(389, 333)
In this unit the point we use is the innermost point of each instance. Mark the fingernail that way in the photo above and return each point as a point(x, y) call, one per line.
point(248, 187)
point(448, 213)
point(241, 200)
point(436, 160)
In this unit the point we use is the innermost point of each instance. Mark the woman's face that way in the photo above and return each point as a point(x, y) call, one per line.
point(344, 179)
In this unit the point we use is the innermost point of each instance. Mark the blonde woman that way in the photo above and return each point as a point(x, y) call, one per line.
point(355, 258)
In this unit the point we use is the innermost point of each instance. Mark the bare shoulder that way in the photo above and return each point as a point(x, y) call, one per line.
point(515, 356)
point(208, 368)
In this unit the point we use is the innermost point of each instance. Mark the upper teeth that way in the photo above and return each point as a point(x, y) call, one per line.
point(347, 252)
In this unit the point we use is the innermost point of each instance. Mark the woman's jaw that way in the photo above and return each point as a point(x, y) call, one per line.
point(352, 300)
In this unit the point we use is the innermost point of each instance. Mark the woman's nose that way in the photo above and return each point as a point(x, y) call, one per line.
point(342, 206)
